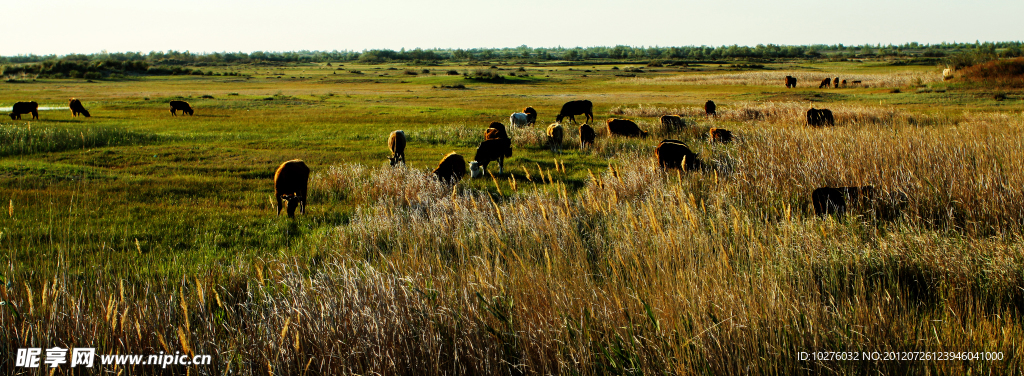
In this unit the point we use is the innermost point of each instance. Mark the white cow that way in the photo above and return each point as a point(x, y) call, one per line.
point(947, 73)
point(518, 119)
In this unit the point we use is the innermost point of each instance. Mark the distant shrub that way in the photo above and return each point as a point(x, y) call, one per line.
point(456, 86)
point(233, 94)
point(522, 69)
point(1007, 73)
point(355, 72)
point(425, 71)
point(484, 75)
point(410, 72)
point(197, 72)
point(92, 75)
point(654, 64)
point(999, 96)
point(207, 96)
point(452, 72)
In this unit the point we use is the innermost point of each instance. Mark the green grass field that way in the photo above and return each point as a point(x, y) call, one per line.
point(136, 232)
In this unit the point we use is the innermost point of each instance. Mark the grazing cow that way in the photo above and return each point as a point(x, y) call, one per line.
point(825, 83)
point(828, 200)
point(587, 135)
point(496, 131)
point(531, 115)
point(844, 83)
point(573, 108)
point(790, 81)
point(672, 154)
point(720, 135)
point(396, 142)
point(25, 108)
point(672, 122)
point(625, 127)
point(290, 182)
point(820, 118)
point(77, 108)
point(709, 108)
point(856, 82)
point(947, 73)
point(519, 119)
point(555, 134)
point(835, 81)
point(489, 151)
point(183, 106)
point(451, 169)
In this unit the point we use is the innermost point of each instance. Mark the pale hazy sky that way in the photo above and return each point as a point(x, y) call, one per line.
point(65, 26)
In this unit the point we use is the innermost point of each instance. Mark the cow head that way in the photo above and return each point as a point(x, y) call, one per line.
point(394, 159)
point(189, 111)
point(13, 116)
point(558, 119)
point(475, 169)
point(293, 202)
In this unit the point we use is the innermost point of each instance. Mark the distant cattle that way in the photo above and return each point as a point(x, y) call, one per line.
point(587, 135)
point(672, 123)
point(673, 154)
point(719, 135)
point(844, 83)
point(555, 134)
point(856, 82)
point(25, 108)
point(496, 131)
point(571, 109)
point(947, 73)
point(826, 83)
point(183, 106)
point(519, 119)
point(625, 127)
point(709, 108)
point(290, 183)
point(835, 81)
point(828, 200)
point(396, 143)
point(531, 115)
point(790, 81)
point(820, 118)
point(451, 169)
point(77, 108)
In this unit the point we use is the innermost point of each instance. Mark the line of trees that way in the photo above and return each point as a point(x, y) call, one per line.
point(525, 53)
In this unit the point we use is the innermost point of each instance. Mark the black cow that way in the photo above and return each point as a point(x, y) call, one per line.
point(77, 108)
point(571, 109)
point(587, 135)
point(451, 169)
point(183, 106)
point(290, 183)
point(625, 127)
point(790, 81)
point(826, 83)
point(709, 108)
point(25, 108)
point(820, 118)
point(672, 154)
point(828, 200)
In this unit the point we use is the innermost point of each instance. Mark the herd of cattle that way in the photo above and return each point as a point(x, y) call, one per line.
point(290, 179)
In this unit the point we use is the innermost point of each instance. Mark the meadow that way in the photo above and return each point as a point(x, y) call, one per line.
point(137, 232)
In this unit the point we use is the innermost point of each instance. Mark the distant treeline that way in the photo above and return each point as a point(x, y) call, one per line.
point(170, 62)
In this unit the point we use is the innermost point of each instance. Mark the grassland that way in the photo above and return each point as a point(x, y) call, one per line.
point(136, 232)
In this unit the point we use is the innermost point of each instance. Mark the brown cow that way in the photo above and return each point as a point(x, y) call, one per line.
point(820, 118)
point(709, 108)
point(77, 108)
point(625, 127)
point(573, 108)
point(396, 142)
point(290, 183)
point(555, 134)
point(451, 169)
point(828, 200)
point(25, 108)
point(531, 115)
point(835, 81)
point(183, 106)
point(672, 154)
point(720, 135)
point(826, 83)
point(790, 81)
point(672, 123)
point(587, 135)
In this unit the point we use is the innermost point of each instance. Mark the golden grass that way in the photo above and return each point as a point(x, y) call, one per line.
point(804, 79)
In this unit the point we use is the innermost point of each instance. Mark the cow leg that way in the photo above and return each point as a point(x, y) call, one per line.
point(278, 197)
point(501, 165)
point(35, 115)
point(172, 112)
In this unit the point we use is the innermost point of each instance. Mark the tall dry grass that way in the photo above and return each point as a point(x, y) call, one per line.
point(638, 272)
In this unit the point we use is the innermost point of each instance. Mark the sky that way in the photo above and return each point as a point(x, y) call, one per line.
point(63, 26)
